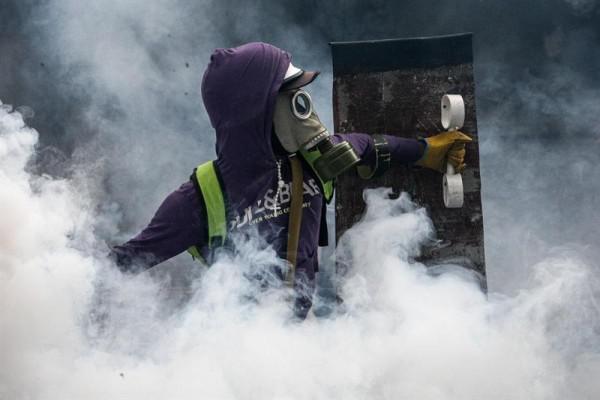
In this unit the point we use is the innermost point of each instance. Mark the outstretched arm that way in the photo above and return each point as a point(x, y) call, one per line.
point(402, 150)
point(432, 152)
point(176, 225)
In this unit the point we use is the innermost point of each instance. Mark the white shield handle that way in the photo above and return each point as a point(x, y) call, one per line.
point(453, 118)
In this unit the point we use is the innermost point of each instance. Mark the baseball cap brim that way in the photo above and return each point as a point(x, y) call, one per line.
point(299, 81)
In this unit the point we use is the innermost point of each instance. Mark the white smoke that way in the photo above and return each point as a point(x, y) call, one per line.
point(44, 281)
point(404, 333)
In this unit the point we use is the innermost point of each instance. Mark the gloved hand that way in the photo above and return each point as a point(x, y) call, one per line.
point(445, 147)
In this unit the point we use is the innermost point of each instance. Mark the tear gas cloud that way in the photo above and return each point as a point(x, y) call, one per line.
point(404, 332)
point(114, 87)
point(115, 90)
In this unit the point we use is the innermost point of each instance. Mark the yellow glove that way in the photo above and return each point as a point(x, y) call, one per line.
point(445, 147)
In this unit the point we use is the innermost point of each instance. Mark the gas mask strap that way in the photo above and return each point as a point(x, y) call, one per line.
point(383, 159)
point(295, 219)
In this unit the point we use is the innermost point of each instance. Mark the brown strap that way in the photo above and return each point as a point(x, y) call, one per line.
point(295, 217)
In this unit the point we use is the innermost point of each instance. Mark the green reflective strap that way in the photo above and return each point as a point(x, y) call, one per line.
point(310, 157)
point(214, 202)
point(193, 250)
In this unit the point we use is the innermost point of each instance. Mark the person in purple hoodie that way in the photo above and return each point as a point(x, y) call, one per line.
point(265, 126)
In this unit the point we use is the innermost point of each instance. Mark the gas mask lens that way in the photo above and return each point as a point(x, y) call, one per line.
point(301, 105)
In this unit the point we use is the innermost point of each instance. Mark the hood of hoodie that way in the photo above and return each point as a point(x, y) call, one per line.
point(239, 89)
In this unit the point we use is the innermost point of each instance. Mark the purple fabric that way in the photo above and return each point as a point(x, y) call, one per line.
point(176, 225)
point(178, 222)
point(239, 89)
point(403, 151)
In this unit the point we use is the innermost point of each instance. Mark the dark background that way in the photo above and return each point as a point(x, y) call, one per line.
point(113, 89)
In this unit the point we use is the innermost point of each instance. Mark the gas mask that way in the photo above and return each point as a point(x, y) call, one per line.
point(299, 129)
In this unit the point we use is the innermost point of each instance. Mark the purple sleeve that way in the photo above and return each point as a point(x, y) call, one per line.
point(404, 151)
point(176, 225)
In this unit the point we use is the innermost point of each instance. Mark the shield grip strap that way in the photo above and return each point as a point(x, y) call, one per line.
point(383, 159)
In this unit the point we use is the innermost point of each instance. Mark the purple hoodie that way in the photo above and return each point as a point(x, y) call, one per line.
point(239, 89)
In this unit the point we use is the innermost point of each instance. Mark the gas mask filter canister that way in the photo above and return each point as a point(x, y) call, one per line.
point(299, 129)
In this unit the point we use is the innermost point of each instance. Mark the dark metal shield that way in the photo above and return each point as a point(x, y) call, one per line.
point(395, 87)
